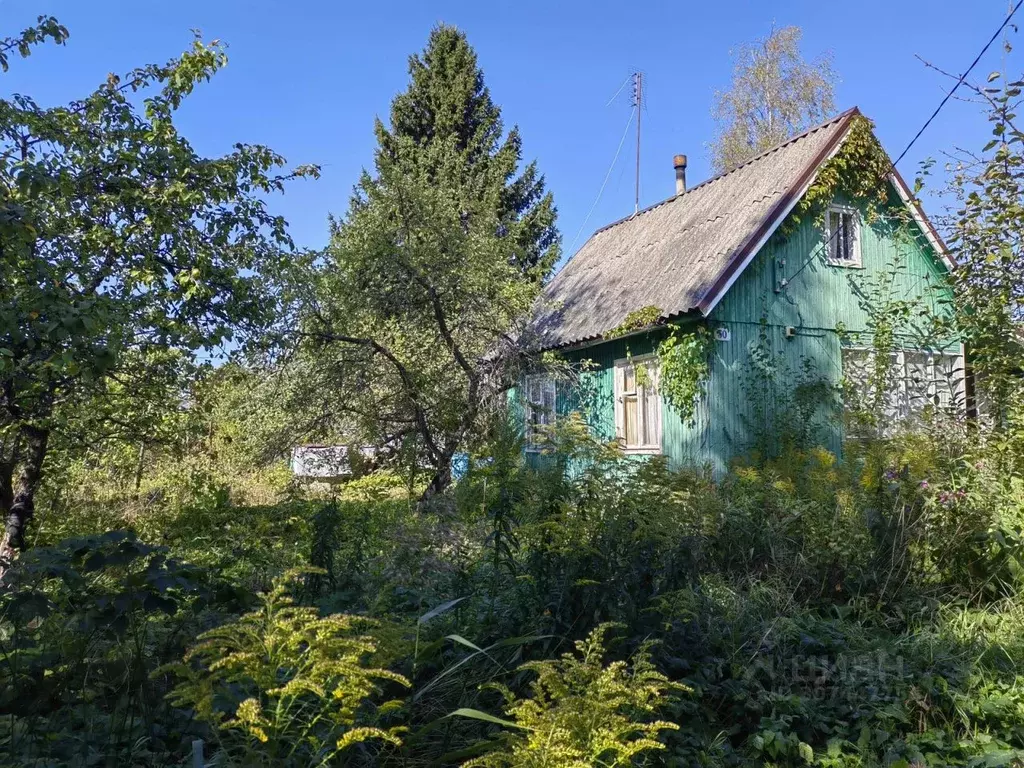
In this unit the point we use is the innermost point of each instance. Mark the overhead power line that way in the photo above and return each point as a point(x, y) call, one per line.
point(605, 182)
point(960, 82)
point(827, 245)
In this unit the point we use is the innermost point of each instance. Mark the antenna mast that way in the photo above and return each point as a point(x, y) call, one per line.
point(638, 100)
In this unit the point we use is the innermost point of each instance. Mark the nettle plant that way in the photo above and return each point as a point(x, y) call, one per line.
point(684, 358)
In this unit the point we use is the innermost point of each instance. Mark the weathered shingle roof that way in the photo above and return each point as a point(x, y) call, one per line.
point(680, 254)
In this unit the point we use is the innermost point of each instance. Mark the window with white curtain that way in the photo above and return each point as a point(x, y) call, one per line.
point(917, 381)
point(842, 228)
point(540, 408)
point(637, 405)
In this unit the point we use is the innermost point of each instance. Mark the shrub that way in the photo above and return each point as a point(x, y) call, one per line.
point(284, 686)
point(82, 625)
point(583, 713)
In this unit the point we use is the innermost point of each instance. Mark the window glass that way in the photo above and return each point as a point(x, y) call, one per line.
point(842, 237)
point(630, 419)
point(916, 383)
point(540, 408)
point(628, 379)
point(637, 406)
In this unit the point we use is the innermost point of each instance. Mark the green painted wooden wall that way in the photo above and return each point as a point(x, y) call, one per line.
point(817, 298)
point(737, 408)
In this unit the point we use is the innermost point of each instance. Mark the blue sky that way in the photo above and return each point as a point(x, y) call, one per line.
point(307, 78)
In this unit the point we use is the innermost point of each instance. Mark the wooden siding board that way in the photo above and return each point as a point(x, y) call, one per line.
point(818, 297)
point(684, 443)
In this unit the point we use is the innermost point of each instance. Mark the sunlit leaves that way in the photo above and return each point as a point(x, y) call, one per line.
point(119, 243)
point(774, 95)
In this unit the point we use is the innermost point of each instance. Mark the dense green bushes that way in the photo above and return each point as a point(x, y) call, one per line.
point(841, 614)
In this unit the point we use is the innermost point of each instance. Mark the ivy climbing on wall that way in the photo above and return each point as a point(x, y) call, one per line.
point(858, 171)
point(684, 358)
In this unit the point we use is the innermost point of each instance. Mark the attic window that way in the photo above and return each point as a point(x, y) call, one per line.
point(842, 232)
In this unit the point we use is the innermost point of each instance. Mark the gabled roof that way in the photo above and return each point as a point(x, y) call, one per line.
point(683, 254)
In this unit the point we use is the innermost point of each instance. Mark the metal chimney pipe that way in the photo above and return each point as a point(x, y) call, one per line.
point(679, 163)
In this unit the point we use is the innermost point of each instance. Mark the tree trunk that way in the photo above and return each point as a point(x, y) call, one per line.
point(22, 505)
point(442, 477)
point(139, 466)
point(6, 487)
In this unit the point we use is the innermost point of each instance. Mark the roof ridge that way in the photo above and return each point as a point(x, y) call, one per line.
point(716, 177)
point(781, 144)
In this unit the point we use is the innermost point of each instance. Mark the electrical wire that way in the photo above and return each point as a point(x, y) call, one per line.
point(826, 246)
point(960, 81)
point(624, 83)
point(605, 182)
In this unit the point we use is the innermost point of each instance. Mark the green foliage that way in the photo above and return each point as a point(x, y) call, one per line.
point(123, 252)
point(895, 320)
point(47, 27)
point(684, 358)
point(859, 171)
point(789, 407)
point(446, 129)
point(637, 320)
point(583, 713)
point(986, 236)
point(774, 95)
point(284, 686)
point(81, 627)
point(863, 612)
point(413, 321)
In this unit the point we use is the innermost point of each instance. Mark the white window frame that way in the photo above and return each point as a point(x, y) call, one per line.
point(536, 413)
point(855, 256)
point(621, 365)
point(904, 412)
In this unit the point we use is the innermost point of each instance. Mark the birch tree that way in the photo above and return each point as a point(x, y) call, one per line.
point(775, 94)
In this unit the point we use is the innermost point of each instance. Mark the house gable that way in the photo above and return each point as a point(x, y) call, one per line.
point(675, 254)
point(766, 286)
point(789, 281)
point(799, 311)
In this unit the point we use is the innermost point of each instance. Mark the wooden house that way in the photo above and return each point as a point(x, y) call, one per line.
point(786, 293)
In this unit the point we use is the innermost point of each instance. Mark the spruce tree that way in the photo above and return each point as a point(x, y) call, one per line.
point(446, 130)
point(411, 323)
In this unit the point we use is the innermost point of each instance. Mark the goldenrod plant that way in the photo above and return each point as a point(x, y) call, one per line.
point(583, 713)
point(284, 686)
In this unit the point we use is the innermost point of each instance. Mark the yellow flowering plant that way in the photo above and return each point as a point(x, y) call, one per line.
point(582, 713)
point(284, 686)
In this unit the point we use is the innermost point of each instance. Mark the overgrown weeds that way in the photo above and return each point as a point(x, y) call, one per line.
point(863, 612)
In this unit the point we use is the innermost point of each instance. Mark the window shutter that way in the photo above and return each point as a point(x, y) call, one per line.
point(651, 409)
point(618, 385)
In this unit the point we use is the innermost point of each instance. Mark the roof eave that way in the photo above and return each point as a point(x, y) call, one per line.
point(593, 341)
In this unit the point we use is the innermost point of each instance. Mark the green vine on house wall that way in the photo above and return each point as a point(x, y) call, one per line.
point(858, 171)
point(684, 358)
